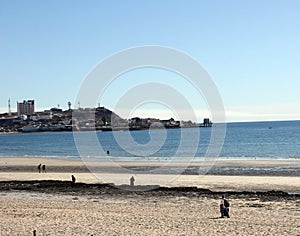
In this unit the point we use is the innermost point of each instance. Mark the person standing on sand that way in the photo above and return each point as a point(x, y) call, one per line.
point(73, 181)
point(44, 168)
point(224, 207)
point(39, 168)
point(132, 181)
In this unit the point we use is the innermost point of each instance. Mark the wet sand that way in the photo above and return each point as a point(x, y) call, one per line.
point(106, 165)
point(105, 161)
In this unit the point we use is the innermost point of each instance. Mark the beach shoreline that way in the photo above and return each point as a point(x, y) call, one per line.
point(108, 161)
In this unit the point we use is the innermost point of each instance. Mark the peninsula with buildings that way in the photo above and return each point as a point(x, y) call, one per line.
point(26, 119)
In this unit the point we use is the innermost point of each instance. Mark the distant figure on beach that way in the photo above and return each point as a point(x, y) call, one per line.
point(107, 152)
point(132, 181)
point(73, 181)
point(39, 168)
point(44, 168)
point(224, 207)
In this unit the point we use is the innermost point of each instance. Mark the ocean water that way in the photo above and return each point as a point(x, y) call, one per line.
point(247, 140)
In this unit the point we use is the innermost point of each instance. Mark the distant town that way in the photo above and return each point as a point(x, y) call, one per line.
point(26, 119)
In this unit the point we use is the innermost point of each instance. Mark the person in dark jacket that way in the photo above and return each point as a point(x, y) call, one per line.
point(73, 181)
point(39, 167)
point(224, 207)
point(44, 168)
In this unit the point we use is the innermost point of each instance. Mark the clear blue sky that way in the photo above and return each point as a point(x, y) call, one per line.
point(250, 48)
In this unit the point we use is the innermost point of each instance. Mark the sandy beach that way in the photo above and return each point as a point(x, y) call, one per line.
point(134, 215)
point(76, 211)
point(231, 175)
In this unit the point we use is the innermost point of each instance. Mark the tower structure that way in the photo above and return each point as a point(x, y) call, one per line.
point(69, 105)
point(9, 107)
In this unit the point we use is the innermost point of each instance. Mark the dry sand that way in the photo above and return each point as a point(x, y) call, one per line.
point(136, 215)
point(21, 212)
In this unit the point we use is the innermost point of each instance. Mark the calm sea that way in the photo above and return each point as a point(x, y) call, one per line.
point(271, 140)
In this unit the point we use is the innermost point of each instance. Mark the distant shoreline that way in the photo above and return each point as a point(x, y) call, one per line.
point(102, 130)
point(135, 129)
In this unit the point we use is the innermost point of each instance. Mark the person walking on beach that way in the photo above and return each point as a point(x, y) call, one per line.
point(44, 168)
point(73, 181)
point(224, 207)
point(39, 168)
point(132, 181)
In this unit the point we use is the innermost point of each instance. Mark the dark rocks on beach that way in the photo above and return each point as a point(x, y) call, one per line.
point(63, 187)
